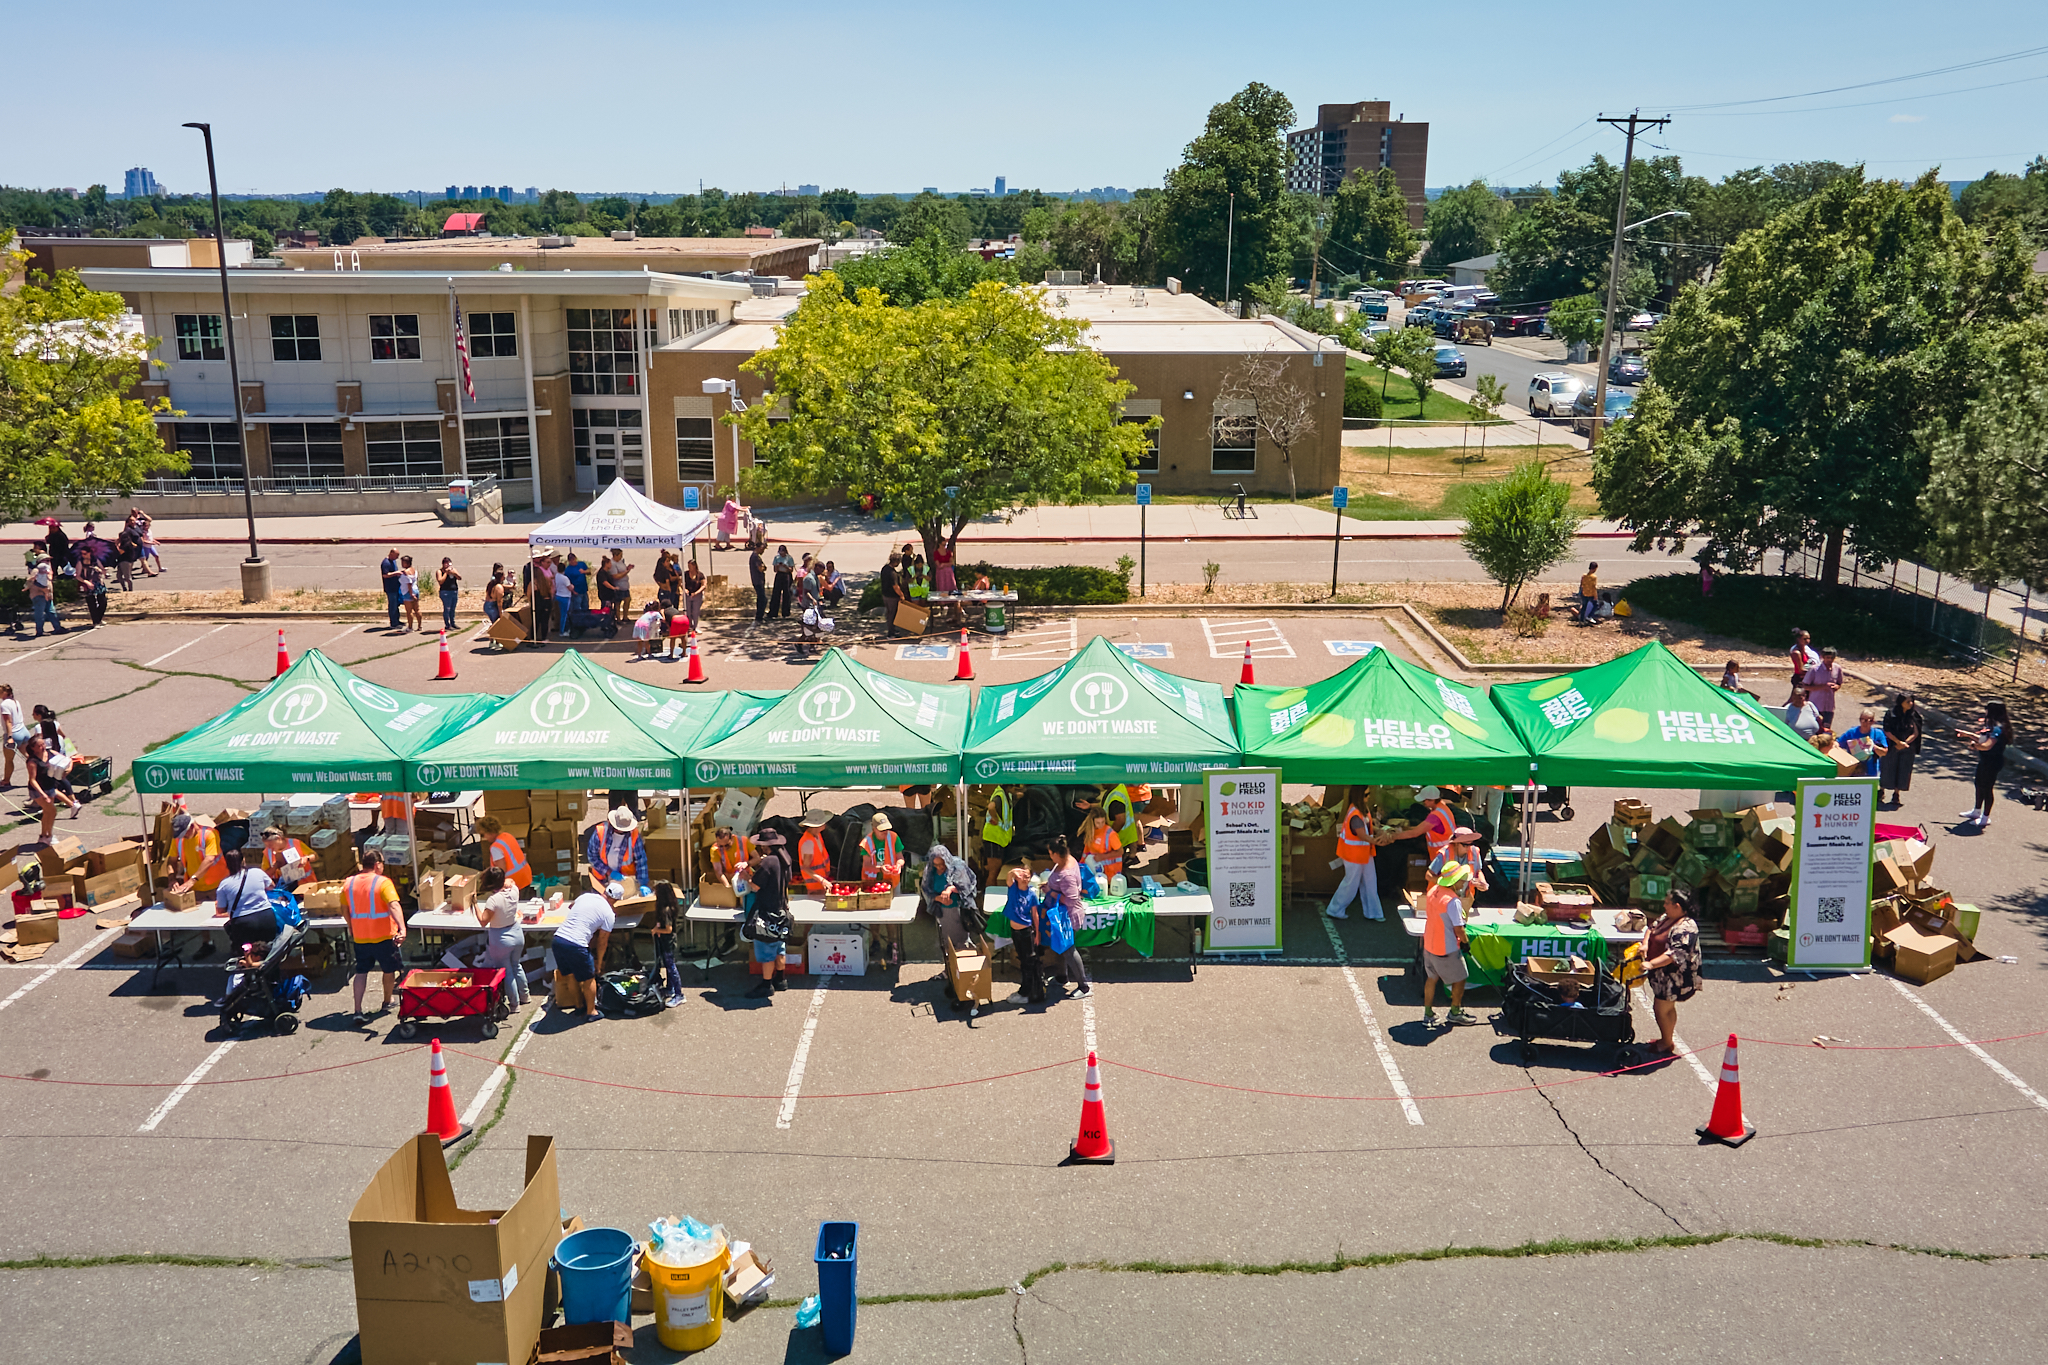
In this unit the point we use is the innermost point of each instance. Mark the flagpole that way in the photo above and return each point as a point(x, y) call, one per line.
point(455, 353)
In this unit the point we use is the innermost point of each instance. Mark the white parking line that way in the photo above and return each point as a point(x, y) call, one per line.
point(344, 635)
point(15, 659)
point(1699, 1068)
point(793, 1087)
point(48, 972)
point(1979, 1053)
point(1057, 640)
point(1088, 1025)
point(1372, 1028)
point(188, 644)
point(163, 1110)
point(500, 1072)
point(1227, 639)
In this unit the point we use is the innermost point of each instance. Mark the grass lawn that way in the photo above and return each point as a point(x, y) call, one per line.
point(1765, 609)
point(1400, 395)
point(1436, 483)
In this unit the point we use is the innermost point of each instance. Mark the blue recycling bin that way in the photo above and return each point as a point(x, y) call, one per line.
point(838, 1263)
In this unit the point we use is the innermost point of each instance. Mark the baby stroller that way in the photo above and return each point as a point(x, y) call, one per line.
point(1532, 1009)
point(258, 987)
point(813, 626)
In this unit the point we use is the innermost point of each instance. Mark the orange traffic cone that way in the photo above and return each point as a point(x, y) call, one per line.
point(1725, 1123)
point(284, 660)
point(1244, 675)
point(446, 672)
point(1092, 1147)
point(696, 661)
point(965, 672)
point(441, 1120)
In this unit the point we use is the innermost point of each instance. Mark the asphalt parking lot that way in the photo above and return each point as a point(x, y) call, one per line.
point(1258, 1110)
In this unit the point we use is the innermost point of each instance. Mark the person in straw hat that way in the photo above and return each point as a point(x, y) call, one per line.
point(813, 856)
point(1443, 943)
point(881, 853)
point(617, 853)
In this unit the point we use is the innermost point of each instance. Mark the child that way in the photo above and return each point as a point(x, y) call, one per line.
point(661, 923)
point(644, 630)
point(409, 591)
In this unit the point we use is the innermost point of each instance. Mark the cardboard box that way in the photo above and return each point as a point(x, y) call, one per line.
point(586, 1343)
point(1561, 971)
point(746, 1275)
point(407, 1237)
point(542, 806)
point(1632, 812)
point(134, 944)
point(912, 618)
point(568, 991)
point(967, 969)
point(837, 955)
point(319, 896)
point(60, 858)
point(36, 928)
point(1418, 873)
point(1887, 876)
point(572, 806)
point(1710, 830)
point(181, 900)
point(1648, 887)
point(512, 628)
point(104, 859)
point(716, 894)
point(503, 803)
point(1920, 956)
point(124, 880)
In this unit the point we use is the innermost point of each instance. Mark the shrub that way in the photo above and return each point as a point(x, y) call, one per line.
point(1062, 585)
point(1361, 397)
point(1210, 571)
point(1526, 621)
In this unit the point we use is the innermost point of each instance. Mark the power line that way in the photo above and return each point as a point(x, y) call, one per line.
point(1866, 85)
point(1871, 104)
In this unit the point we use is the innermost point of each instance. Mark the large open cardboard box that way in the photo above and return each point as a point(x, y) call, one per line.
point(441, 1285)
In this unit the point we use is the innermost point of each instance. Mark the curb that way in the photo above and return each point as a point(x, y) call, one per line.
point(797, 540)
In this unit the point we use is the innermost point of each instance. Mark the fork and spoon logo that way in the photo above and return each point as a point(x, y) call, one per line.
point(559, 704)
point(300, 705)
point(1098, 694)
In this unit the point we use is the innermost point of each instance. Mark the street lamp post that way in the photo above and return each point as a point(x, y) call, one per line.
point(731, 389)
point(255, 569)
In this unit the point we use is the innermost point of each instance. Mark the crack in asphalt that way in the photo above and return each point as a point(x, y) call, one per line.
point(1595, 1159)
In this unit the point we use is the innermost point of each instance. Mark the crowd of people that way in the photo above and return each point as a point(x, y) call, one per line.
point(88, 562)
point(37, 744)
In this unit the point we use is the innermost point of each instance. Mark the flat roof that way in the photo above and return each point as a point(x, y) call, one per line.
point(744, 338)
point(1122, 302)
point(1229, 337)
point(583, 283)
point(650, 249)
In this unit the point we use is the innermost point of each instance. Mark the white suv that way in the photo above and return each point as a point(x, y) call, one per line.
point(1552, 395)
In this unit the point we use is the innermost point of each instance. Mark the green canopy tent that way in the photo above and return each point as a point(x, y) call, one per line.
point(316, 727)
point(1647, 719)
point(844, 725)
point(1099, 717)
point(1382, 720)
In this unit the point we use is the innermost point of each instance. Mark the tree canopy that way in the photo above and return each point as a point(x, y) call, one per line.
point(1987, 490)
point(1463, 223)
point(988, 394)
point(1369, 232)
point(1785, 395)
point(1520, 526)
point(67, 433)
point(1239, 152)
point(928, 268)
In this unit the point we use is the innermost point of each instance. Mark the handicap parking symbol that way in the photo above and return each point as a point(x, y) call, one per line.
point(1159, 651)
point(931, 652)
point(1351, 649)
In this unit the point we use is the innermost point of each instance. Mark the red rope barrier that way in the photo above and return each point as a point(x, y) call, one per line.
point(231, 1080)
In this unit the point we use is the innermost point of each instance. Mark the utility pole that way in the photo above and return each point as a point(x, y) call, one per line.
point(1315, 262)
point(1229, 242)
point(1632, 125)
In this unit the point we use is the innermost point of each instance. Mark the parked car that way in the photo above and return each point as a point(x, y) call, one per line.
point(1518, 324)
point(1618, 405)
point(1552, 395)
point(1450, 363)
point(1627, 367)
point(1420, 316)
point(1641, 322)
point(1377, 329)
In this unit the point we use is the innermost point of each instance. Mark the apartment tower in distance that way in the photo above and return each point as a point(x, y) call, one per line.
point(138, 183)
point(1347, 137)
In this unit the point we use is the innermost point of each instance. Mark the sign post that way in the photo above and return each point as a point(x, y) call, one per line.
point(1243, 815)
point(1144, 501)
point(1340, 498)
point(1830, 922)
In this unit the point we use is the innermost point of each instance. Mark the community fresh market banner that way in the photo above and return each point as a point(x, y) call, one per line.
point(317, 727)
point(575, 726)
point(1100, 717)
point(1648, 719)
point(1382, 720)
point(845, 725)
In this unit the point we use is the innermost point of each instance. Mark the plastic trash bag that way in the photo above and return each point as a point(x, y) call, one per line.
point(809, 1311)
point(684, 1242)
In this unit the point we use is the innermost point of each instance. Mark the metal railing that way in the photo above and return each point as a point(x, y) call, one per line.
point(1981, 623)
point(313, 484)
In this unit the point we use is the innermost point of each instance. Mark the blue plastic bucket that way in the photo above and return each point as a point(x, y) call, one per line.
point(596, 1266)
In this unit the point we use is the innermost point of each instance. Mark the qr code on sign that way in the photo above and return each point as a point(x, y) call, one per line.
point(1833, 909)
point(1244, 895)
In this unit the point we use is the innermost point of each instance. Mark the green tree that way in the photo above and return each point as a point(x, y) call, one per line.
point(1369, 224)
point(839, 205)
point(1987, 490)
point(931, 215)
point(1240, 152)
point(988, 394)
point(1361, 396)
point(1120, 239)
point(1411, 350)
point(2019, 199)
point(1560, 244)
point(1517, 528)
point(1463, 223)
point(1488, 393)
point(67, 432)
point(811, 223)
point(1576, 320)
point(928, 268)
point(1785, 396)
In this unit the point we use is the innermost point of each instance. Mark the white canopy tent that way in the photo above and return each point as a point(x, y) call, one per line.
point(619, 517)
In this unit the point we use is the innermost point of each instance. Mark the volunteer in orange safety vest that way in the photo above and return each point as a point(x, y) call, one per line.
point(1355, 848)
point(1443, 943)
point(376, 924)
point(813, 857)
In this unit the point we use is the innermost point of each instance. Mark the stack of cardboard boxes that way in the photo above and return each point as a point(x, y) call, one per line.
point(1917, 927)
point(1736, 865)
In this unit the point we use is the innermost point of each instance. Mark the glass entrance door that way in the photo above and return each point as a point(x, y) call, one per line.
point(609, 445)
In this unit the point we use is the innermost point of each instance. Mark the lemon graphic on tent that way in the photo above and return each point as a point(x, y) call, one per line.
point(1328, 731)
point(1468, 728)
point(1280, 701)
point(1621, 725)
point(1546, 690)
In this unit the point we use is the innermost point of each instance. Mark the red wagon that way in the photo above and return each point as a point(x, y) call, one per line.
point(466, 994)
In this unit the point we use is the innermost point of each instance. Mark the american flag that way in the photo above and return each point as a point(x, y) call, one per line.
point(462, 351)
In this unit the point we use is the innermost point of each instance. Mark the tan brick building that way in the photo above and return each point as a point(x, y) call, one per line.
point(1361, 135)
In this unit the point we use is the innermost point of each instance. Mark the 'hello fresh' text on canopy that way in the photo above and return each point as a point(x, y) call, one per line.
point(1705, 727)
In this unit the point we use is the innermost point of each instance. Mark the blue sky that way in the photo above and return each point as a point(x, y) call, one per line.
point(881, 96)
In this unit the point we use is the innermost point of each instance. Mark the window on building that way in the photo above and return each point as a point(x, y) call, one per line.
point(1234, 446)
point(493, 334)
point(696, 448)
point(497, 445)
point(393, 336)
point(684, 321)
point(212, 448)
point(409, 448)
point(305, 450)
point(1148, 463)
point(610, 440)
point(199, 337)
point(294, 336)
point(603, 358)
